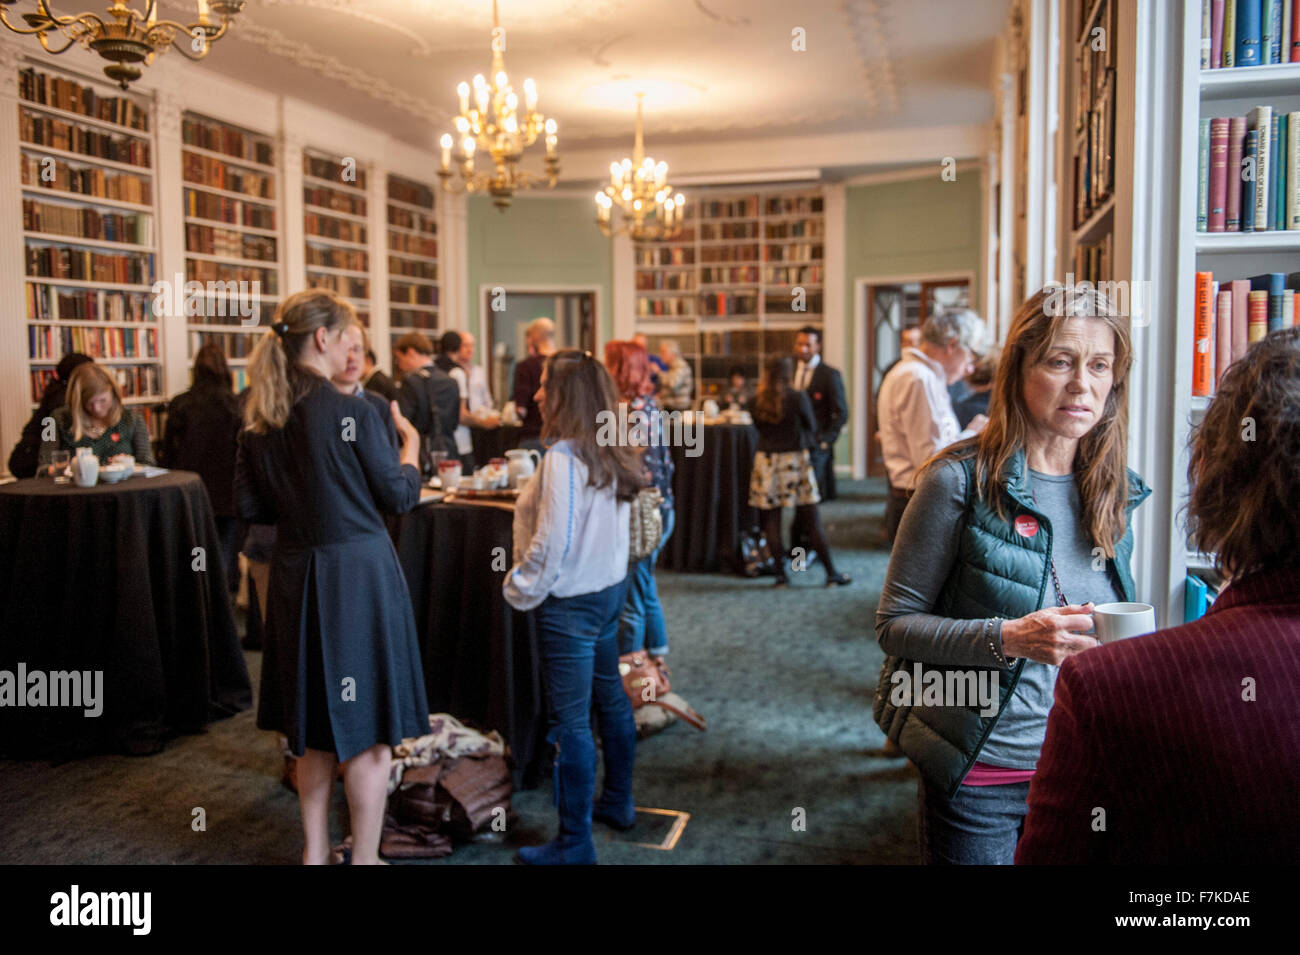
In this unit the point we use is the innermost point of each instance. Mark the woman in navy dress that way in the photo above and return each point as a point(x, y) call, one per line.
point(341, 676)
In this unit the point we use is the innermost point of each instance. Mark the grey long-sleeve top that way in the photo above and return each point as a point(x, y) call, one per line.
point(925, 551)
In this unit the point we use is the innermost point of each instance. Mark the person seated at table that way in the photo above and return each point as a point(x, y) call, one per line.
point(570, 564)
point(341, 675)
point(641, 625)
point(94, 417)
point(783, 473)
point(738, 392)
point(26, 455)
point(1189, 738)
point(202, 435)
point(348, 381)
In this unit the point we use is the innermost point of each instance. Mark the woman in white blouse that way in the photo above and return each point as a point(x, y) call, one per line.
point(570, 565)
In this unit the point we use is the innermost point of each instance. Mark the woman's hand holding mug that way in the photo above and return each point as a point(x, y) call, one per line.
point(1049, 635)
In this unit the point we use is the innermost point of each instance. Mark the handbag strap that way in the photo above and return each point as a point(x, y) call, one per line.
point(688, 715)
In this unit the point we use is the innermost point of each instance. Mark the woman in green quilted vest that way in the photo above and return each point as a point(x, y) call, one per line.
point(1010, 540)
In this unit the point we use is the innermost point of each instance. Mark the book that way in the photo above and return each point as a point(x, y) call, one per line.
point(1280, 163)
point(1222, 335)
point(1248, 32)
point(1230, 33)
point(1207, 47)
point(1203, 176)
point(1261, 120)
point(1216, 34)
point(1240, 289)
point(1202, 355)
point(1295, 31)
point(1273, 284)
point(1288, 308)
point(1218, 186)
point(1195, 595)
point(1288, 11)
point(1293, 169)
point(1256, 317)
point(1249, 175)
point(1232, 200)
point(1270, 39)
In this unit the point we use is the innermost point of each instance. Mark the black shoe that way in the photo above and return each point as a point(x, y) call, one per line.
point(781, 581)
point(838, 580)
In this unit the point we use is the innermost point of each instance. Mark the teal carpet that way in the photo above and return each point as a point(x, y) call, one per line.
point(789, 770)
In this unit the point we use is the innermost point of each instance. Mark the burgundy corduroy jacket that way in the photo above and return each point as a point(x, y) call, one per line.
point(1188, 740)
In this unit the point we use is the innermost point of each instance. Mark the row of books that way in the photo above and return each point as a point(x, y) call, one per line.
point(205, 205)
point(95, 143)
point(1237, 33)
point(728, 230)
point(325, 198)
point(727, 209)
point(60, 262)
point(213, 240)
point(417, 270)
point(728, 303)
point(206, 171)
point(792, 303)
point(1248, 172)
point(135, 381)
point(91, 181)
point(50, 303)
point(804, 229)
point(1094, 162)
point(732, 275)
point(232, 346)
point(793, 205)
point(676, 307)
point(415, 193)
point(730, 253)
point(335, 258)
point(52, 342)
point(795, 275)
point(220, 138)
point(346, 174)
point(412, 244)
point(651, 256)
point(406, 219)
point(1199, 595)
point(345, 285)
point(665, 281)
point(793, 252)
point(400, 317)
point(1230, 315)
point(198, 270)
point(87, 223)
point(1092, 260)
point(327, 227)
point(65, 94)
point(412, 294)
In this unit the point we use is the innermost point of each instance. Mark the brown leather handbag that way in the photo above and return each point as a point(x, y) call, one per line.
point(646, 684)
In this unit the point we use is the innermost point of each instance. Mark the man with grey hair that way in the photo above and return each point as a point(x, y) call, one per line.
point(675, 383)
point(915, 411)
point(539, 338)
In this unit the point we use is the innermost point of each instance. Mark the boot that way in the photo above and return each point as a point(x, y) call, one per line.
point(575, 780)
point(615, 808)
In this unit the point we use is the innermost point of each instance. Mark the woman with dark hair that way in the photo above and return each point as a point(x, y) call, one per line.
point(95, 417)
point(570, 563)
point(341, 675)
point(1190, 737)
point(202, 435)
point(24, 458)
point(1010, 539)
point(783, 472)
point(641, 625)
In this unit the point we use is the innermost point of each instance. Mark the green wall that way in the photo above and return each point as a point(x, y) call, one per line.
point(539, 241)
point(916, 227)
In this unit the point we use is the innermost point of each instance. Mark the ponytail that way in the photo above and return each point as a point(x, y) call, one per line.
point(276, 381)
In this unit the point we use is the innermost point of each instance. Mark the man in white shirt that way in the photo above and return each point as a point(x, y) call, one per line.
point(480, 396)
point(915, 411)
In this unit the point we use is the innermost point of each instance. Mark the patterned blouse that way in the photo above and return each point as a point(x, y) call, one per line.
point(658, 459)
point(128, 436)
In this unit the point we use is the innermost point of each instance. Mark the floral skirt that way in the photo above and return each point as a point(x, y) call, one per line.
point(782, 479)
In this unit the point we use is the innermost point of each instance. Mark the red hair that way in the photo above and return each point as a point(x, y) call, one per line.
point(629, 366)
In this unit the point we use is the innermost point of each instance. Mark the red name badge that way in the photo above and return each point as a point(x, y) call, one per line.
point(1026, 526)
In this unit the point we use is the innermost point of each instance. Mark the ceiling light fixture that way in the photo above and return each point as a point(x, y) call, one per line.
point(639, 187)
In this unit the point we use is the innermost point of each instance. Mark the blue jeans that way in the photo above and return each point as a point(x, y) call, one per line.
point(579, 648)
point(641, 625)
point(979, 826)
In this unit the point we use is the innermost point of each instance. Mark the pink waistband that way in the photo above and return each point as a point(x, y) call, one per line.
point(982, 774)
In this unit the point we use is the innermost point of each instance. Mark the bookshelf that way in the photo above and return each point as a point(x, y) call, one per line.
point(88, 201)
point(414, 286)
point(336, 227)
point(231, 210)
point(746, 272)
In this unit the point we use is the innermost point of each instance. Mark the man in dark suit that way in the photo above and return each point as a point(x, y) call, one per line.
point(374, 379)
point(825, 389)
point(428, 397)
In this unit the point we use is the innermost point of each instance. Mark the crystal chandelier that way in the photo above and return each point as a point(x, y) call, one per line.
point(131, 37)
point(639, 187)
point(494, 125)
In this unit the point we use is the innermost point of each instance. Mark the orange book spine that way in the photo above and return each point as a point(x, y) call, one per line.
point(1257, 317)
point(1203, 356)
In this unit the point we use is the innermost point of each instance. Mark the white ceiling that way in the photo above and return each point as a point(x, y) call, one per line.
point(713, 69)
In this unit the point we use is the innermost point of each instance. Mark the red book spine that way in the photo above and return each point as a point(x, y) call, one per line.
point(1295, 31)
point(1236, 144)
point(1240, 309)
point(1257, 317)
point(1222, 336)
point(1218, 173)
point(1202, 355)
point(1216, 33)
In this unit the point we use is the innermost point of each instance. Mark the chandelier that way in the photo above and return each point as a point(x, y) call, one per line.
point(131, 37)
point(494, 125)
point(639, 187)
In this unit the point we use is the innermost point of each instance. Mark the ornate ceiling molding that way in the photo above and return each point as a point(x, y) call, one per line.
point(865, 24)
point(349, 8)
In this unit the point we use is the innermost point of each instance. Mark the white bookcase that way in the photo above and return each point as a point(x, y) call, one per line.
point(414, 283)
point(337, 227)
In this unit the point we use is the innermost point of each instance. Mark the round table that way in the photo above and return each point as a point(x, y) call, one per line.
point(492, 443)
point(126, 579)
point(711, 500)
point(481, 657)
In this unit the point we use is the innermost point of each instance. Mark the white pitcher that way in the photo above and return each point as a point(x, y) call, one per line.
point(85, 468)
point(521, 463)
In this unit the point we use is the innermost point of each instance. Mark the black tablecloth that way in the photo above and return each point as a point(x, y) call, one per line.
point(711, 494)
point(492, 443)
point(103, 578)
point(481, 658)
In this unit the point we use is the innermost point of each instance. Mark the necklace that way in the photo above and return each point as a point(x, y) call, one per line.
point(1056, 581)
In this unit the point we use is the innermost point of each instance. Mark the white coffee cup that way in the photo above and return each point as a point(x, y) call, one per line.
point(1118, 621)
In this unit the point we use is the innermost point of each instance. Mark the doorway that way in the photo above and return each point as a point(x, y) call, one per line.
point(892, 307)
point(504, 317)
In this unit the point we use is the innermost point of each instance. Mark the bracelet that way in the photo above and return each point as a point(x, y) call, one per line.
point(993, 647)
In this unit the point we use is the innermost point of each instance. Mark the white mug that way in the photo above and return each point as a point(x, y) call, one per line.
point(1118, 621)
